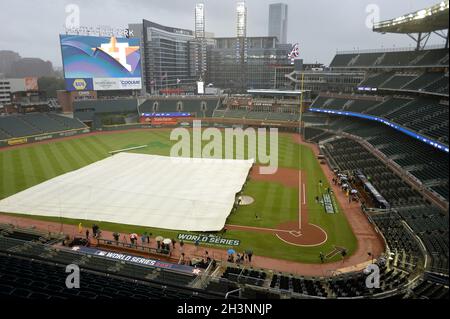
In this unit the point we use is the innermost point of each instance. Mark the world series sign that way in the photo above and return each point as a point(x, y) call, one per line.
point(209, 239)
point(121, 257)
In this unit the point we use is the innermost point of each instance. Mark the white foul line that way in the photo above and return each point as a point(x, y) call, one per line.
point(299, 199)
point(304, 195)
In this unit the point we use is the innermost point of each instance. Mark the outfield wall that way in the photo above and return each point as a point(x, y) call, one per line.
point(42, 137)
point(182, 122)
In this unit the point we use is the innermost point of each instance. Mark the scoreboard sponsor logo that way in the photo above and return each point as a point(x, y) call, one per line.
point(79, 84)
point(105, 84)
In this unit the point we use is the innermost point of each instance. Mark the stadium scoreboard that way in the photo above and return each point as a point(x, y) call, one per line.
point(101, 63)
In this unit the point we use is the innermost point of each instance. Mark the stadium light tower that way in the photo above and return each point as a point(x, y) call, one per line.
point(200, 20)
point(200, 51)
point(241, 43)
point(241, 10)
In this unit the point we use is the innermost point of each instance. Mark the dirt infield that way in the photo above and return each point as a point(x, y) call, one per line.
point(309, 235)
point(288, 177)
point(298, 233)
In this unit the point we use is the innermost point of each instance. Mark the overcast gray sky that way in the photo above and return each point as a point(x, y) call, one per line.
point(31, 27)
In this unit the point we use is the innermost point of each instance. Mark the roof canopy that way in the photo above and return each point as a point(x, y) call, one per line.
point(434, 18)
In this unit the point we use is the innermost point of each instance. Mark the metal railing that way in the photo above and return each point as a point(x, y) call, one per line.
point(136, 247)
point(387, 50)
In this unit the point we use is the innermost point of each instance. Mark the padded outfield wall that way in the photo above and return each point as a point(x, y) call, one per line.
point(42, 137)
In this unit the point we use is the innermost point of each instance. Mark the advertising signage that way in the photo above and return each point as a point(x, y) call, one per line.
point(101, 63)
point(209, 239)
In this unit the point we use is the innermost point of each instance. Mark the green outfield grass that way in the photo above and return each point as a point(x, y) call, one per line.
point(24, 167)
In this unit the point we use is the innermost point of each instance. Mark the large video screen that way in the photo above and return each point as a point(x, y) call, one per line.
point(101, 63)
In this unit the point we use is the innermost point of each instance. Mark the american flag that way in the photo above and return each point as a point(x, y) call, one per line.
point(294, 53)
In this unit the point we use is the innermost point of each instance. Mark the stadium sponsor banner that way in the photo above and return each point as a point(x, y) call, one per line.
point(170, 118)
point(43, 138)
point(159, 121)
point(110, 63)
point(69, 133)
point(209, 239)
point(413, 134)
point(106, 84)
point(79, 84)
point(40, 138)
point(124, 127)
point(145, 120)
point(164, 121)
point(56, 135)
point(17, 141)
point(137, 260)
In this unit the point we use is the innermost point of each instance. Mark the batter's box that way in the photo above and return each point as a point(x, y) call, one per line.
point(296, 233)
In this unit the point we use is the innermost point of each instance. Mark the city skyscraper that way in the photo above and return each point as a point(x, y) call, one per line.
point(278, 21)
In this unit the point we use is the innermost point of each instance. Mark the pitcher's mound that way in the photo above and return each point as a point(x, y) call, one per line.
point(246, 200)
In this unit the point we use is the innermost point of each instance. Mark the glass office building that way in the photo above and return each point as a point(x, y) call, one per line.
point(166, 57)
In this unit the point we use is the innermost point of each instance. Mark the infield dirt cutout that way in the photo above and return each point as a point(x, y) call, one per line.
point(300, 232)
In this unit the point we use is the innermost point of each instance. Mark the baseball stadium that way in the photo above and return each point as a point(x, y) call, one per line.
point(296, 191)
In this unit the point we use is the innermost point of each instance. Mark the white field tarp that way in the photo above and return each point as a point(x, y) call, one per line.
point(136, 189)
